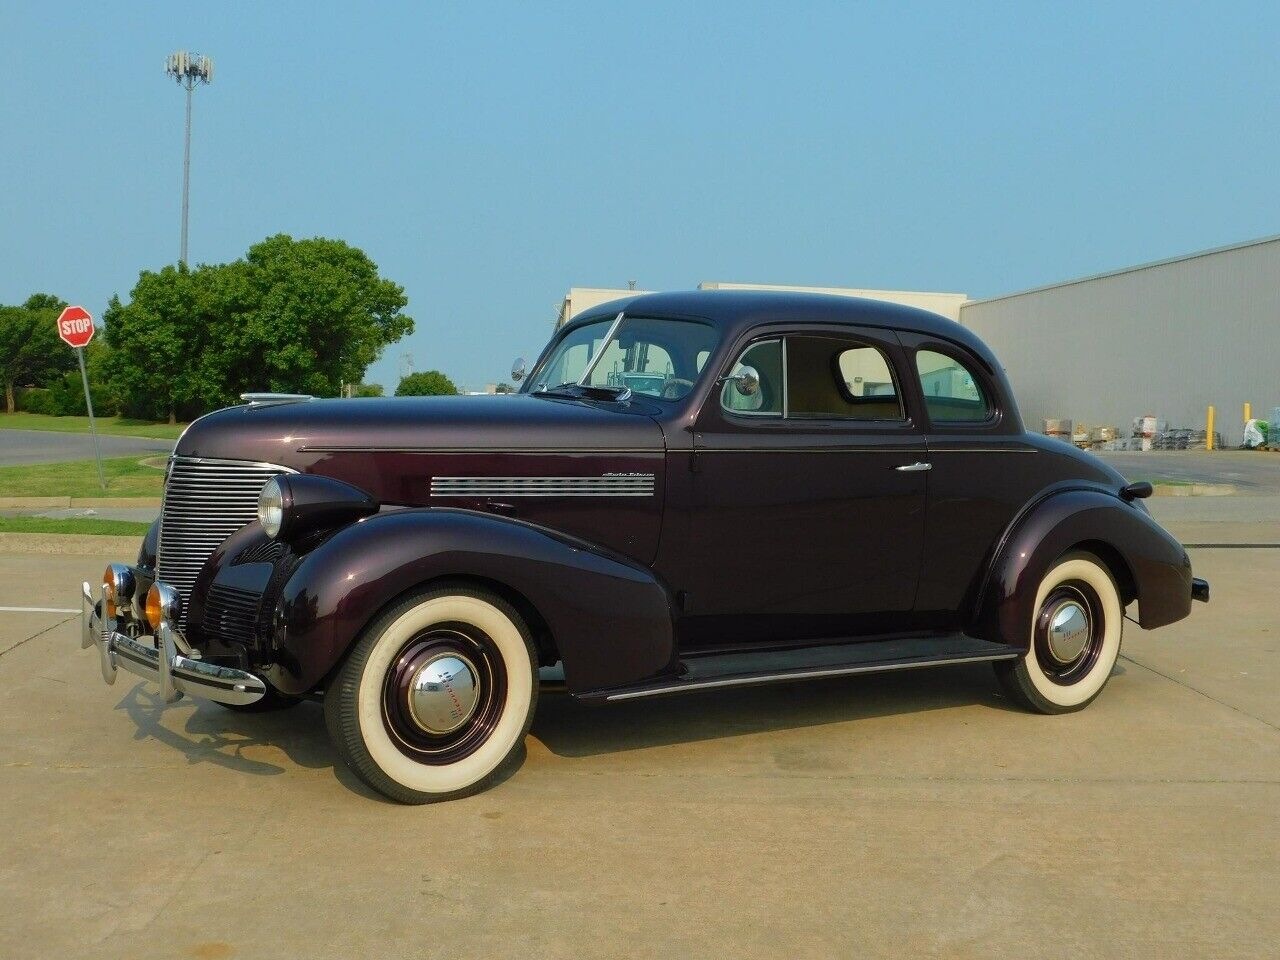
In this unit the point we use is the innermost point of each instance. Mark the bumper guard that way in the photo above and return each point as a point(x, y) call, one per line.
point(176, 672)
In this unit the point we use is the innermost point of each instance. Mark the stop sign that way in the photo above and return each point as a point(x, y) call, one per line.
point(75, 326)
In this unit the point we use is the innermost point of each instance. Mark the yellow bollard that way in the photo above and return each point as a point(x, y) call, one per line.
point(1208, 430)
point(1248, 411)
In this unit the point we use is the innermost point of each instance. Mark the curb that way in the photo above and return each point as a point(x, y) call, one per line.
point(1194, 490)
point(28, 503)
point(71, 544)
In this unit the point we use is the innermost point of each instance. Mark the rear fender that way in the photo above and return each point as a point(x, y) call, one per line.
point(610, 618)
point(1155, 564)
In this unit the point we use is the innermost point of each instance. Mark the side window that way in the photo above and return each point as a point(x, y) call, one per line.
point(952, 393)
point(766, 359)
point(829, 378)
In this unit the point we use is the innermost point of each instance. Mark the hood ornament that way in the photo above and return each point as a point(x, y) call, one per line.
point(270, 399)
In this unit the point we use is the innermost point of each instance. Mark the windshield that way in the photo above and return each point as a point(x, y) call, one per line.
point(653, 357)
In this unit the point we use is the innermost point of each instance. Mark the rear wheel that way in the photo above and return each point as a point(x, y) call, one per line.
point(1076, 630)
point(436, 696)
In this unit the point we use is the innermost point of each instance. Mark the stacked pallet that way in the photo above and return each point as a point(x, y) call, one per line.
point(1060, 429)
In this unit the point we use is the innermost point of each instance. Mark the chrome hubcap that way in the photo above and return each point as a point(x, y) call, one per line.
point(443, 694)
point(1068, 633)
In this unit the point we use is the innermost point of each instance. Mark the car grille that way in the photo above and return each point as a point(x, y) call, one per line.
point(232, 614)
point(205, 501)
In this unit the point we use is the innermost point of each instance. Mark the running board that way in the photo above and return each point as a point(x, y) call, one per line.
point(706, 671)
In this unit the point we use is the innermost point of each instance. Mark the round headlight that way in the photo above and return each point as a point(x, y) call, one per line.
point(271, 508)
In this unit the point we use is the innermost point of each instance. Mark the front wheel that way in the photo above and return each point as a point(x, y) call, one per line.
point(436, 696)
point(1075, 630)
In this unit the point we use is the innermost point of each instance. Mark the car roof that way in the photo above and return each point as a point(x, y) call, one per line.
point(736, 310)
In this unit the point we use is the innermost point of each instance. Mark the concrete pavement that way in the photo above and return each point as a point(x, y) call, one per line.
point(907, 815)
point(48, 446)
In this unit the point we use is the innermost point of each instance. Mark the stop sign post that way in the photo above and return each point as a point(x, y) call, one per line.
point(75, 327)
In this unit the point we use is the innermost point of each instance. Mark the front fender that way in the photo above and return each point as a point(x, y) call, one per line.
point(1155, 565)
point(610, 618)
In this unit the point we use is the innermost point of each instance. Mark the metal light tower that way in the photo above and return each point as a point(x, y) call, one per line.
point(188, 69)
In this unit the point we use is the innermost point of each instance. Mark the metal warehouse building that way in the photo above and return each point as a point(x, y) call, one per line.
point(1165, 339)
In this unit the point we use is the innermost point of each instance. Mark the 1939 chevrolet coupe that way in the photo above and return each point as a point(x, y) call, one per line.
point(690, 491)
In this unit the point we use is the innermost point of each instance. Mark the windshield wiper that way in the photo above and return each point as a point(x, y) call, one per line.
point(585, 391)
point(582, 390)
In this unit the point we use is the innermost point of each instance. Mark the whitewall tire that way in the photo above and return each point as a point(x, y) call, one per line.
point(1075, 633)
point(436, 695)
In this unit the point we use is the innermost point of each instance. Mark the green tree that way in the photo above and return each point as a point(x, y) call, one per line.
point(293, 316)
point(309, 315)
point(368, 390)
point(428, 383)
point(160, 340)
point(30, 351)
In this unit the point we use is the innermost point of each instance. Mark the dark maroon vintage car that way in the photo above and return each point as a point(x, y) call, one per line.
point(691, 491)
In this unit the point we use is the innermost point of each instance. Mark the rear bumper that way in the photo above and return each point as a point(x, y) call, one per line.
point(159, 659)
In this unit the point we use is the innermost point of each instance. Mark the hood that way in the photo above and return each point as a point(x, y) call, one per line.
point(303, 433)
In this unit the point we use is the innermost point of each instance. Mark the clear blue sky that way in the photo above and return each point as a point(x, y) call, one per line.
point(489, 156)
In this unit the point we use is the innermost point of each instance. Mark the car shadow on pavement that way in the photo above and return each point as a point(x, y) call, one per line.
point(244, 742)
point(250, 743)
point(569, 728)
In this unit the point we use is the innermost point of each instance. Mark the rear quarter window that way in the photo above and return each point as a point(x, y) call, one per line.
point(953, 393)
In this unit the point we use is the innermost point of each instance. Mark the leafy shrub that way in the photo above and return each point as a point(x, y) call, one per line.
point(67, 397)
point(35, 400)
point(428, 383)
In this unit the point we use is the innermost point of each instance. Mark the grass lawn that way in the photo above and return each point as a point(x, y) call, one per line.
point(126, 477)
point(106, 528)
point(120, 426)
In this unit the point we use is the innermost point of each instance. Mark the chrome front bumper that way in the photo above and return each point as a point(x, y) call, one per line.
point(175, 671)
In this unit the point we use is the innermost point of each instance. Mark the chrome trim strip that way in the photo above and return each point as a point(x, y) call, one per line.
point(620, 485)
point(806, 675)
point(258, 464)
point(531, 451)
point(983, 450)
point(914, 450)
point(786, 382)
point(850, 449)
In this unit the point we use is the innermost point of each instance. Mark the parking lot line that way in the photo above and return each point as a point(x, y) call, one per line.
point(37, 610)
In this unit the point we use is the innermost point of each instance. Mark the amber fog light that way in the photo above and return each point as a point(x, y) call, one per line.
point(117, 588)
point(162, 604)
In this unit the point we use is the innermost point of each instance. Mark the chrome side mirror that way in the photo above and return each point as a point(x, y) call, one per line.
point(746, 381)
point(517, 370)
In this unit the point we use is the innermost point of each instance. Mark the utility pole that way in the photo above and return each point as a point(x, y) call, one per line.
point(187, 69)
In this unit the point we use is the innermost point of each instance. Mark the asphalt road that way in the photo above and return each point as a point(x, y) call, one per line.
point(913, 815)
point(47, 446)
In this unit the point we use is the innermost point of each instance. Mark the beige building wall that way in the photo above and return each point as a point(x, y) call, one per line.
point(579, 299)
point(1164, 339)
point(945, 304)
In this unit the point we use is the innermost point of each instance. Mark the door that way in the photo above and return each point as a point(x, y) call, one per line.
point(808, 494)
point(984, 472)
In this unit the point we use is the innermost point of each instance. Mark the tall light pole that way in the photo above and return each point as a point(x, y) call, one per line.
point(188, 69)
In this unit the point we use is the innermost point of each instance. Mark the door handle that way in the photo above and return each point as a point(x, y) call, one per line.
point(916, 467)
